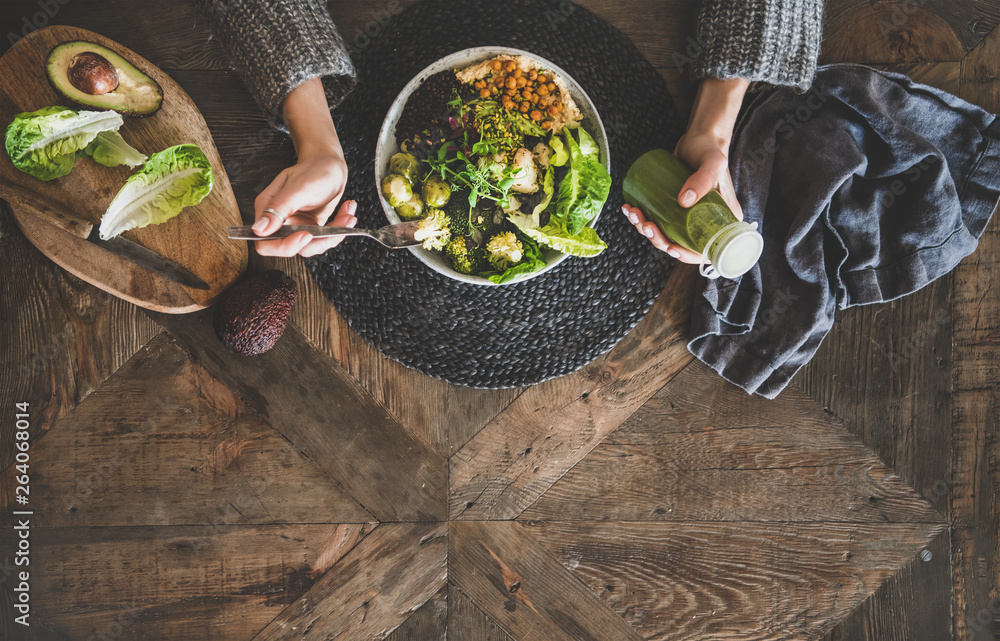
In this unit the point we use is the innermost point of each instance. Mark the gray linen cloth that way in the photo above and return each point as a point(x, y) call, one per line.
point(866, 188)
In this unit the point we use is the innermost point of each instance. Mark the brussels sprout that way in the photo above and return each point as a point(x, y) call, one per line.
point(436, 192)
point(406, 165)
point(411, 210)
point(397, 190)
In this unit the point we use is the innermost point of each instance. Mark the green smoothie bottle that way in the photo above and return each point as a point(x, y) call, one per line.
point(729, 247)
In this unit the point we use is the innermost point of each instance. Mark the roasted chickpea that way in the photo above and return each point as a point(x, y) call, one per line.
point(518, 73)
point(543, 90)
point(542, 79)
point(525, 106)
point(536, 115)
point(495, 65)
point(552, 87)
point(532, 74)
point(511, 83)
point(484, 93)
point(521, 81)
point(553, 110)
point(511, 92)
point(499, 81)
point(547, 124)
point(510, 66)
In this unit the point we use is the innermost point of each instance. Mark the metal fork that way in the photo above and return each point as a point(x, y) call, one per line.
point(392, 236)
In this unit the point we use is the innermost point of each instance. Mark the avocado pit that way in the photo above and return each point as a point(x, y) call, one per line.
point(92, 74)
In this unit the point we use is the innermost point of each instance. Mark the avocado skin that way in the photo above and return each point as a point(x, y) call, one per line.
point(133, 82)
point(251, 316)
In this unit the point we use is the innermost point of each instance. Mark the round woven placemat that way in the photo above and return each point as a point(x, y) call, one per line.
point(524, 333)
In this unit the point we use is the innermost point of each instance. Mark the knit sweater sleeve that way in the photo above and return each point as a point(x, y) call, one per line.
point(276, 45)
point(771, 41)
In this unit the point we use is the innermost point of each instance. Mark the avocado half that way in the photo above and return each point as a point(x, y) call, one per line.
point(92, 75)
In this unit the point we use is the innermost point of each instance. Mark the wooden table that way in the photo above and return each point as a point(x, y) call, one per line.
point(323, 491)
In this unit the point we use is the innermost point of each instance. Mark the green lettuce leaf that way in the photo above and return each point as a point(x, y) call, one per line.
point(586, 186)
point(586, 243)
point(588, 147)
point(548, 188)
point(44, 143)
point(559, 154)
point(111, 150)
point(171, 180)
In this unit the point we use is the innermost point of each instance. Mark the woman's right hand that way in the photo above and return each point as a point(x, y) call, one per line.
point(705, 148)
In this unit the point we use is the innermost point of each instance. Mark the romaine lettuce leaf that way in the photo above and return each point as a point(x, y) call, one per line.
point(585, 188)
point(586, 243)
point(548, 188)
point(44, 143)
point(171, 180)
point(111, 150)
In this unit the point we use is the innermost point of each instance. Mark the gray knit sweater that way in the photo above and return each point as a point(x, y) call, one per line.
point(771, 41)
point(278, 44)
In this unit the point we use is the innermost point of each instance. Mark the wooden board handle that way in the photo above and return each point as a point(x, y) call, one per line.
point(46, 209)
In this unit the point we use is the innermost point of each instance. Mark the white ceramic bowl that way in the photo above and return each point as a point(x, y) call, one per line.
point(387, 145)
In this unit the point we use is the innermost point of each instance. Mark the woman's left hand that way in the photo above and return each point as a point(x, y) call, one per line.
point(307, 193)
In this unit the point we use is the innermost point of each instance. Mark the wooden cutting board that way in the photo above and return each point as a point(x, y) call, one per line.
point(195, 239)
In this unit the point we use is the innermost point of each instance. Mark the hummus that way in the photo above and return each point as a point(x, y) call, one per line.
point(568, 110)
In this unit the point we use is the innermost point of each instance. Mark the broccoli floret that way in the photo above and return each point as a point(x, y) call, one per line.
point(457, 210)
point(466, 257)
point(504, 251)
point(433, 230)
point(458, 251)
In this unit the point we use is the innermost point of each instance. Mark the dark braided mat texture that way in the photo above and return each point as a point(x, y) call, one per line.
point(528, 332)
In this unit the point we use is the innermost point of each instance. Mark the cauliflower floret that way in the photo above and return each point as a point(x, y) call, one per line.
point(433, 230)
point(526, 172)
point(504, 250)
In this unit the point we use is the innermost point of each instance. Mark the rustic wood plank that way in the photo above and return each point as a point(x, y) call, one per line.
point(182, 450)
point(697, 451)
point(225, 585)
point(170, 34)
point(521, 586)
point(975, 402)
point(314, 403)
point(912, 604)
point(887, 32)
point(762, 581)
point(429, 623)
point(552, 426)
point(60, 337)
point(466, 622)
point(377, 586)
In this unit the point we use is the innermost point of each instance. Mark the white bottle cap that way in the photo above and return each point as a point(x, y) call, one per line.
point(732, 251)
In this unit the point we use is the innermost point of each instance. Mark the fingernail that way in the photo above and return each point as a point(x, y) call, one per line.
point(687, 197)
point(352, 207)
point(260, 224)
point(674, 253)
point(646, 229)
point(633, 218)
point(625, 209)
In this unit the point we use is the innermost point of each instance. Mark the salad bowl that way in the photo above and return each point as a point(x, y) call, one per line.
point(387, 145)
